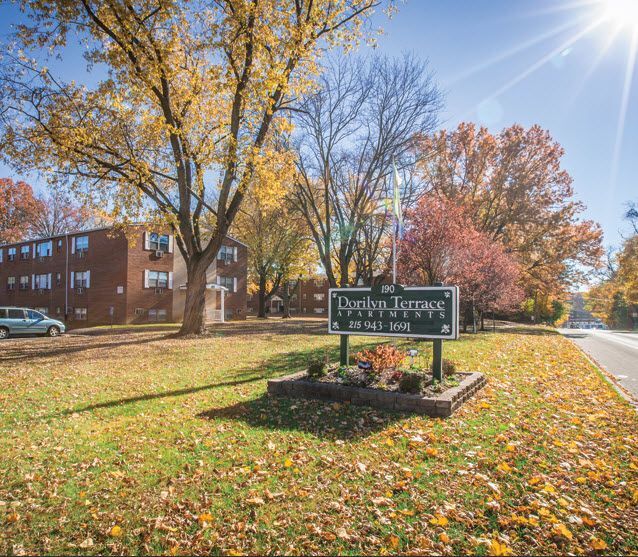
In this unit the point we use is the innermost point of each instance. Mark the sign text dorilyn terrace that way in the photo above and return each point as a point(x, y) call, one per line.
point(393, 304)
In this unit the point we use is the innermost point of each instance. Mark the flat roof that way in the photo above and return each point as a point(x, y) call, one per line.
point(76, 232)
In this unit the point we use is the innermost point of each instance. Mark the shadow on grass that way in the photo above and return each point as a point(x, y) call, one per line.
point(523, 330)
point(325, 420)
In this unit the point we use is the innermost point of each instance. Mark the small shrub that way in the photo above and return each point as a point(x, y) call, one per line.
point(318, 367)
point(383, 357)
point(449, 367)
point(411, 383)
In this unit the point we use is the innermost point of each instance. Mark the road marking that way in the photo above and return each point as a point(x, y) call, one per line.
point(609, 336)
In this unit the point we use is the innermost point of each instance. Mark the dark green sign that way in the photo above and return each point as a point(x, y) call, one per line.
point(392, 310)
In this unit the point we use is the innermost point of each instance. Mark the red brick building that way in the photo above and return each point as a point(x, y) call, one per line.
point(105, 276)
point(309, 297)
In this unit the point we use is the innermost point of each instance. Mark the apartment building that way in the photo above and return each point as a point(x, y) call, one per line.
point(308, 297)
point(110, 276)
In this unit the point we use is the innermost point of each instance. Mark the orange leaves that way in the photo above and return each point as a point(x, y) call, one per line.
point(431, 451)
point(205, 519)
point(439, 520)
point(498, 549)
point(115, 531)
point(597, 544)
point(561, 531)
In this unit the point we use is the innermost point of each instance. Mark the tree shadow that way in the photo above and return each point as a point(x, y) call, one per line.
point(325, 420)
point(523, 330)
point(17, 351)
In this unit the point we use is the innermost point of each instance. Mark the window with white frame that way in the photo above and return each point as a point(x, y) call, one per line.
point(157, 279)
point(81, 244)
point(82, 279)
point(319, 297)
point(319, 310)
point(24, 252)
point(42, 282)
point(24, 282)
point(227, 282)
point(227, 253)
point(139, 311)
point(58, 279)
point(11, 254)
point(44, 249)
point(158, 242)
point(11, 283)
point(80, 314)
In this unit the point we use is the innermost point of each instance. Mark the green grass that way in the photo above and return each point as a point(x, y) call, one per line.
point(175, 442)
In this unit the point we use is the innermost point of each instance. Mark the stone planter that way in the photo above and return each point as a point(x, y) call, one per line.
point(444, 405)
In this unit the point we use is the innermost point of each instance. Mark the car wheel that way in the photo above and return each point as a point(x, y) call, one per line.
point(4, 333)
point(53, 331)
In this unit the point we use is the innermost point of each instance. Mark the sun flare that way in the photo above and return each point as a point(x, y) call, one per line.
point(623, 13)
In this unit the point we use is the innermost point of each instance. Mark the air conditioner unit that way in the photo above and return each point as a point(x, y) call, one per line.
point(159, 253)
point(80, 289)
point(159, 291)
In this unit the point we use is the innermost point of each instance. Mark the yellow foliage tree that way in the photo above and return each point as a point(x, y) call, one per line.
point(176, 129)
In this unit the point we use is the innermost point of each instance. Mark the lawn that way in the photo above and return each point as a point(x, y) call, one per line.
point(139, 442)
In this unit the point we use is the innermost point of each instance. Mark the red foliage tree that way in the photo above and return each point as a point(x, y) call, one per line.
point(442, 245)
point(18, 210)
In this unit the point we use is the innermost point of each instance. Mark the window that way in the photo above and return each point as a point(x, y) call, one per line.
point(158, 242)
point(157, 279)
point(24, 282)
point(82, 279)
point(44, 249)
point(157, 315)
point(58, 310)
point(319, 283)
point(16, 314)
point(11, 254)
point(227, 282)
point(11, 283)
point(59, 245)
point(139, 311)
point(226, 253)
point(38, 313)
point(24, 252)
point(41, 282)
point(81, 244)
point(58, 279)
point(3, 313)
point(80, 314)
point(319, 310)
point(319, 297)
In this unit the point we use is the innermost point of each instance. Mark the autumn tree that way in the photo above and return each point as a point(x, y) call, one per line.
point(363, 114)
point(517, 193)
point(19, 210)
point(60, 214)
point(441, 244)
point(278, 240)
point(176, 128)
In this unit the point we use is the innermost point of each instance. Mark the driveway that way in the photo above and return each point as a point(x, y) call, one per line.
point(617, 351)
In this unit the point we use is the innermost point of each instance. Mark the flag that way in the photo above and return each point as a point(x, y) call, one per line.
point(396, 201)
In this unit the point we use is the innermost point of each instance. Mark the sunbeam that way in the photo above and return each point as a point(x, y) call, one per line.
point(536, 65)
point(513, 51)
point(624, 104)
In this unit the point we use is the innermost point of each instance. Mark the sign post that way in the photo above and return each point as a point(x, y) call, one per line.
point(428, 312)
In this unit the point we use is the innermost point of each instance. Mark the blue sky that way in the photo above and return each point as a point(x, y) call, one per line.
point(567, 93)
point(502, 62)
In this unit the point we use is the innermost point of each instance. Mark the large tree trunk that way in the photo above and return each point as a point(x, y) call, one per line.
point(195, 304)
point(261, 311)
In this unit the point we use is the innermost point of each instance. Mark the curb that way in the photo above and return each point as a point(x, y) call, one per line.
point(608, 376)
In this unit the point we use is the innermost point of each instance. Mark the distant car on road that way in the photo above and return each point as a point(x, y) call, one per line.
point(25, 321)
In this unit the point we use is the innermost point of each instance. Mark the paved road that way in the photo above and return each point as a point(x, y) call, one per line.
point(617, 351)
